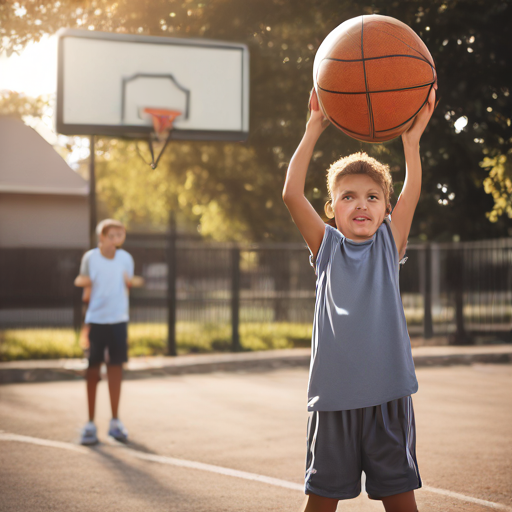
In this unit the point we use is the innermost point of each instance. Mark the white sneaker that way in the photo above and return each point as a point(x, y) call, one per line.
point(118, 431)
point(89, 434)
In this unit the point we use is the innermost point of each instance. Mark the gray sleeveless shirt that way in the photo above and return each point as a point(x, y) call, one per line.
point(361, 351)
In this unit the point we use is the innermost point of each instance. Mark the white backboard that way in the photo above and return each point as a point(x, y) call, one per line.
point(105, 81)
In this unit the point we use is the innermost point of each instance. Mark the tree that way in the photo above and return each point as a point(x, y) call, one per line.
point(15, 104)
point(239, 186)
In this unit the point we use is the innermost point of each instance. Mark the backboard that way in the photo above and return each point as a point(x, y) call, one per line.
point(106, 80)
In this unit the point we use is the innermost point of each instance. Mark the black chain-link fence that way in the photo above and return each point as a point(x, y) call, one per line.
point(456, 289)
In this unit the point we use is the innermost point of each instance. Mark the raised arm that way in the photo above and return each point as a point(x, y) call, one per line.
point(303, 214)
point(403, 213)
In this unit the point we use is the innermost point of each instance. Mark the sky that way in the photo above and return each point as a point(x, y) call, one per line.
point(34, 72)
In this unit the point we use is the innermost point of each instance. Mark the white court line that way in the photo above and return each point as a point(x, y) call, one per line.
point(469, 499)
point(43, 442)
point(224, 471)
point(215, 469)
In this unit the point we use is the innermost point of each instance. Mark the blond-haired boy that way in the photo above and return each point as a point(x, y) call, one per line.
point(108, 270)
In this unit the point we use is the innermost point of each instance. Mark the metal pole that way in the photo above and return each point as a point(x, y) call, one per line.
point(235, 299)
point(92, 197)
point(171, 287)
point(428, 330)
point(461, 336)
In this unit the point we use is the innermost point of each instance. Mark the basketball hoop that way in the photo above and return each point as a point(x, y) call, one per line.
point(162, 124)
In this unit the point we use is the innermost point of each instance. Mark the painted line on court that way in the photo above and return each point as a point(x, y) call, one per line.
point(43, 442)
point(215, 469)
point(469, 499)
point(171, 461)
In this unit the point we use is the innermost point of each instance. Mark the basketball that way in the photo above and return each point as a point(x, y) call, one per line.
point(372, 75)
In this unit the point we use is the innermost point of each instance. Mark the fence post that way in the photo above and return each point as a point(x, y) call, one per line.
point(92, 195)
point(235, 299)
point(460, 337)
point(77, 308)
point(428, 328)
point(171, 287)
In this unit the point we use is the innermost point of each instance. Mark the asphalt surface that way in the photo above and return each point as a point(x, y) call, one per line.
point(251, 422)
point(44, 370)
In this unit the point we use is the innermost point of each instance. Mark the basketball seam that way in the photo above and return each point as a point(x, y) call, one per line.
point(408, 46)
point(382, 131)
point(347, 129)
point(412, 117)
point(430, 62)
point(381, 57)
point(368, 100)
point(427, 84)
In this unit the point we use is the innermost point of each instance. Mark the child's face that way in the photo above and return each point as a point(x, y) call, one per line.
point(113, 238)
point(359, 206)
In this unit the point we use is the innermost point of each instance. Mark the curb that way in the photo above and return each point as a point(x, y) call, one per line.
point(141, 368)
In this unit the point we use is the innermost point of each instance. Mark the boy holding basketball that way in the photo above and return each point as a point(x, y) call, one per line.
point(362, 374)
point(108, 270)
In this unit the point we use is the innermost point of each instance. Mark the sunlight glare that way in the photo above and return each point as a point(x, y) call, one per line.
point(33, 71)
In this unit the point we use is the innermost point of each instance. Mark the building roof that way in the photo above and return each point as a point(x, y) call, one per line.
point(29, 165)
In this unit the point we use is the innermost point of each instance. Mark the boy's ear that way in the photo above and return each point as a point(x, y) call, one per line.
point(388, 209)
point(329, 212)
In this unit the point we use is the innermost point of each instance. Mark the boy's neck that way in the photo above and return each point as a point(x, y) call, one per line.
point(108, 252)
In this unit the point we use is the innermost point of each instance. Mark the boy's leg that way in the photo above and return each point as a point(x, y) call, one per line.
point(315, 503)
point(389, 455)
point(118, 354)
point(115, 376)
point(403, 502)
point(93, 377)
point(97, 345)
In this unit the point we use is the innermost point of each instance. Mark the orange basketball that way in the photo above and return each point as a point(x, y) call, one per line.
point(372, 75)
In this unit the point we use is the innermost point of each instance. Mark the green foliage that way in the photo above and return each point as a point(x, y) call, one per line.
point(16, 104)
point(20, 344)
point(234, 189)
point(499, 184)
point(151, 340)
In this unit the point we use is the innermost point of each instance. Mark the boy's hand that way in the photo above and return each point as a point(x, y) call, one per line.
point(137, 281)
point(412, 136)
point(134, 282)
point(317, 121)
point(82, 281)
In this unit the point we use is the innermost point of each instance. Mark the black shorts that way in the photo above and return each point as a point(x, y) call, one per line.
point(112, 337)
point(379, 440)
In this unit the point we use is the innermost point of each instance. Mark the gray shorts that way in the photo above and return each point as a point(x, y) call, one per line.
point(379, 440)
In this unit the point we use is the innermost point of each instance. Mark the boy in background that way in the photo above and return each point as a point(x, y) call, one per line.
point(108, 271)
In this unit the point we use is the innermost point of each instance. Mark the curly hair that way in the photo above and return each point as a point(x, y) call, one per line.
point(360, 163)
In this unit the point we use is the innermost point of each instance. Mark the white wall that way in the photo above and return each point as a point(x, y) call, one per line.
point(36, 220)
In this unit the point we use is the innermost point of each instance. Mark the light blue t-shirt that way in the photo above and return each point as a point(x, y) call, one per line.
point(109, 296)
point(361, 351)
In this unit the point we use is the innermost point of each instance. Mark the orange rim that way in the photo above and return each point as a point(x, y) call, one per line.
point(162, 118)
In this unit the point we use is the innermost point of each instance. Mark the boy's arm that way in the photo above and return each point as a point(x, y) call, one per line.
point(130, 280)
point(403, 213)
point(134, 281)
point(303, 214)
point(83, 280)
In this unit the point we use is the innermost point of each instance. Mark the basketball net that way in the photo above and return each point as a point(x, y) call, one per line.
point(162, 124)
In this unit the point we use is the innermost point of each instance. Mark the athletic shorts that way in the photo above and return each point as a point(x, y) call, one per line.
point(379, 440)
point(113, 338)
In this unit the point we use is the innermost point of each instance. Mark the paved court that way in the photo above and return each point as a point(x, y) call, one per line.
point(236, 442)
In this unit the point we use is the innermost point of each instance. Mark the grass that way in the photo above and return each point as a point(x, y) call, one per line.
point(151, 339)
